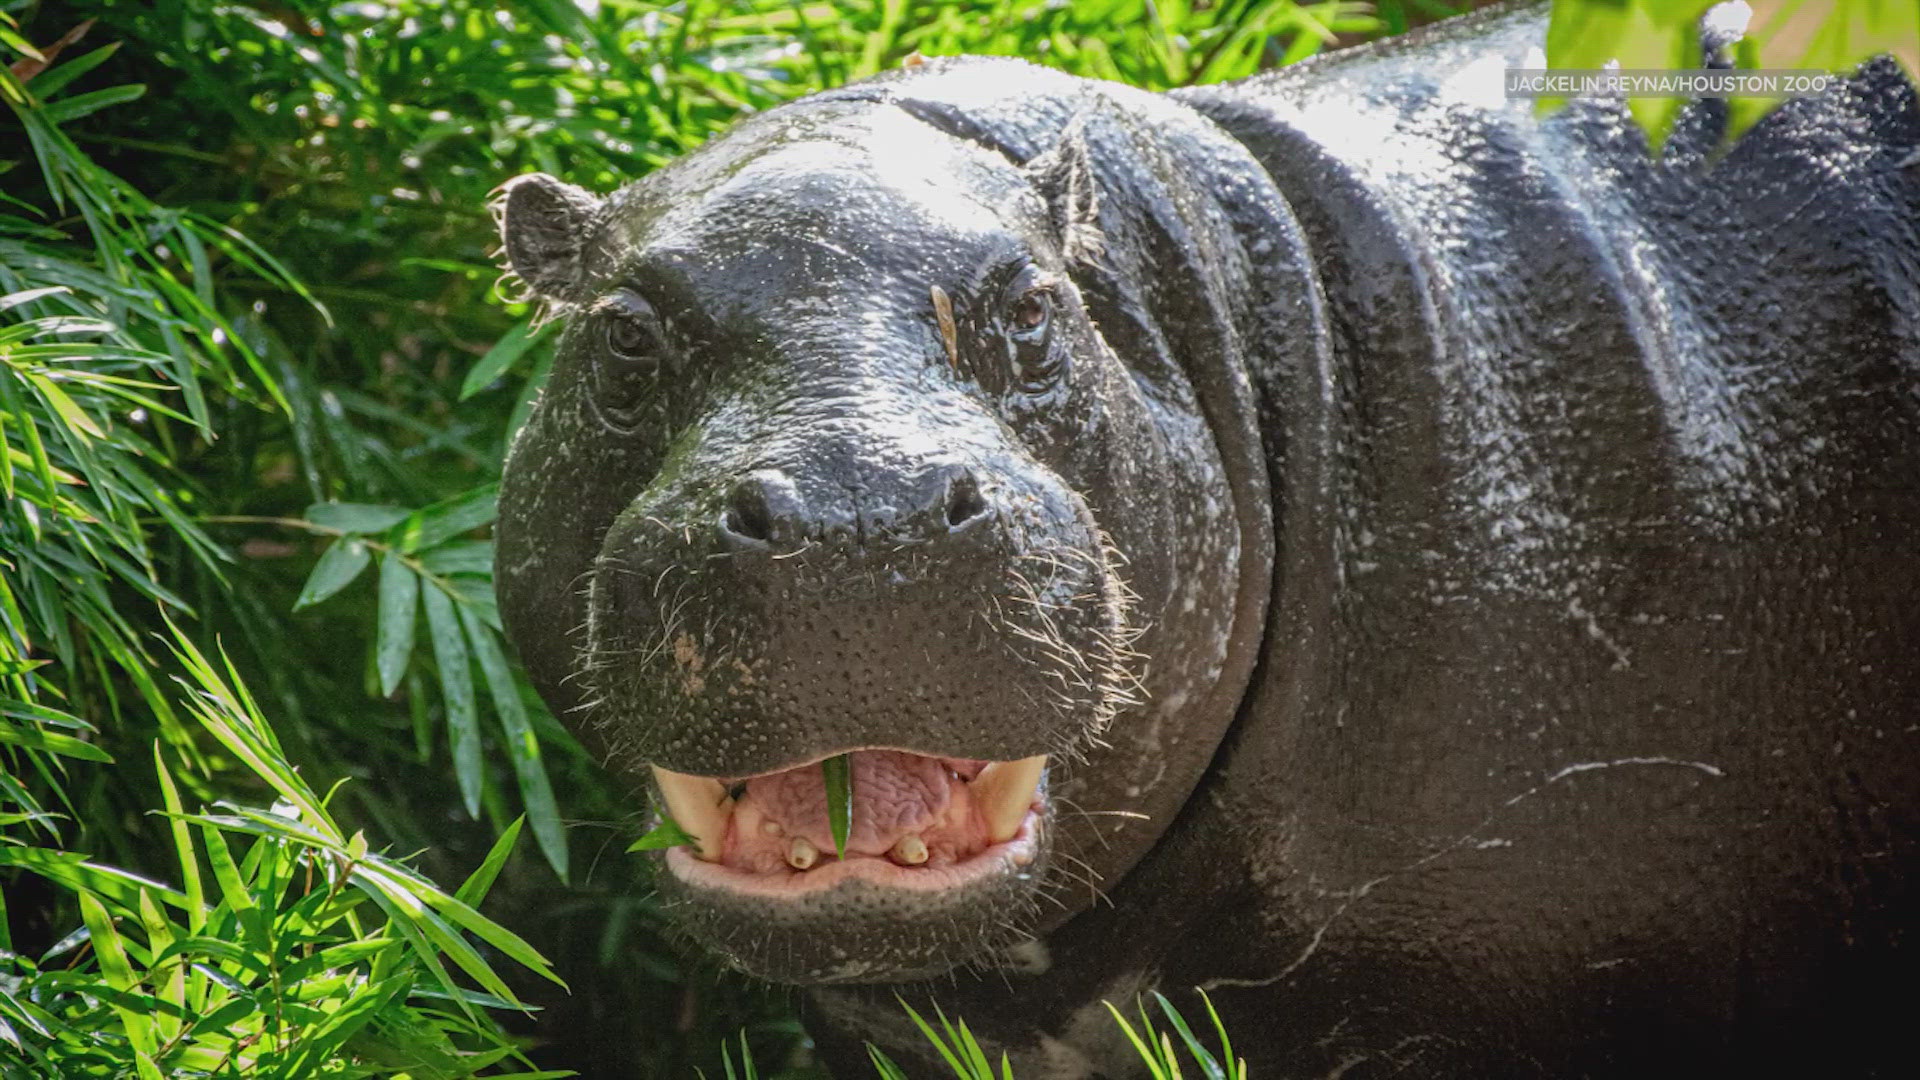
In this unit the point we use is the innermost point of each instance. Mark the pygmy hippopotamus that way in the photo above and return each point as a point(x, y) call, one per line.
point(1440, 578)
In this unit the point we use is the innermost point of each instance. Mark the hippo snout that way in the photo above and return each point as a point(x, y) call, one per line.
point(768, 511)
point(949, 627)
point(849, 600)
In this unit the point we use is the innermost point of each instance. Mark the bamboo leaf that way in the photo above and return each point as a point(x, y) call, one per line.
point(355, 517)
point(393, 643)
point(319, 1044)
point(56, 326)
point(337, 568)
point(14, 41)
point(34, 738)
point(55, 79)
point(883, 1065)
point(38, 58)
point(79, 105)
point(173, 990)
point(410, 911)
point(464, 916)
point(523, 749)
point(118, 971)
point(28, 296)
point(474, 889)
point(76, 417)
point(498, 359)
point(456, 687)
point(182, 844)
point(226, 872)
point(74, 871)
point(229, 712)
point(469, 557)
point(447, 519)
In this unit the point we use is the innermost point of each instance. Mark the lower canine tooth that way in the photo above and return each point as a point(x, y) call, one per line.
point(910, 850)
point(801, 854)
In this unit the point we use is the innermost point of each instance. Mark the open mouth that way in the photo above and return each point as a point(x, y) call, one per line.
point(918, 822)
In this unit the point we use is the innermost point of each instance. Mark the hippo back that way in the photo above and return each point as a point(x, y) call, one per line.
point(1589, 715)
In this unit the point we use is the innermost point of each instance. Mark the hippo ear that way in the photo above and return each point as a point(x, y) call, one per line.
point(543, 228)
point(1064, 178)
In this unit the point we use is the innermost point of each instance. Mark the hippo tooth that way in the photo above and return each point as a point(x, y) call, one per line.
point(699, 805)
point(910, 850)
point(771, 827)
point(1004, 790)
point(801, 854)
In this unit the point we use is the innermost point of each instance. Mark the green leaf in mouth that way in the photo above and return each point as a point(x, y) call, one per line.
point(667, 834)
point(838, 773)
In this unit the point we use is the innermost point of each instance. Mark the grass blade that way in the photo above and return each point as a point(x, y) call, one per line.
point(837, 771)
point(883, 1065)
point(1201, 1055)
point(939, 1045)
point(1139, 1045)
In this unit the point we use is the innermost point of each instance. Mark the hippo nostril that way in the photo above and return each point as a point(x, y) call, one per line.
point(964, 501)
point(751, 511)
point(748, 522)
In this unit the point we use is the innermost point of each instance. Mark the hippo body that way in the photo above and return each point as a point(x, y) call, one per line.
point(1520, 609)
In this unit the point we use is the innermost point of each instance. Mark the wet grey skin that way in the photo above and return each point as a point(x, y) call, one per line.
point(1481, 618)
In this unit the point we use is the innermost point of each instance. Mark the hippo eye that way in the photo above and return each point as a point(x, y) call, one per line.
point(633, 330)
point(1031, 313)
point(628, 368)
point(1028, 320)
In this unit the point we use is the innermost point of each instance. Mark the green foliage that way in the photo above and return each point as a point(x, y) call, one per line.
point(314, 953)
point(121, 349)
point(110, 352)
point(963, 1055)
point(747, 1070)
point(1156, 1048)
point(1826, 35)
point(955, 1044)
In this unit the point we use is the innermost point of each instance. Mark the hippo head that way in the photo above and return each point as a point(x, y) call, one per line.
point(877, 427)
